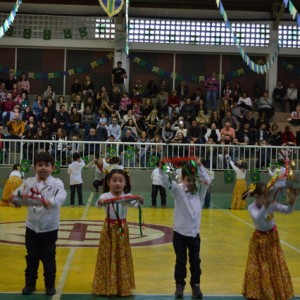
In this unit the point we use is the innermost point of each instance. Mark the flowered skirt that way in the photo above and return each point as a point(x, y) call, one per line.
point(240, 187)
point(12, 183)
point(114, 274)
point(267, 276)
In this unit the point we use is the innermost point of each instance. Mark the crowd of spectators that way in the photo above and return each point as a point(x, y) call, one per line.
point(151, 114)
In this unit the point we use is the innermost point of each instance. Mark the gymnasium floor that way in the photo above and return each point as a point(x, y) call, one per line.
point(225, 235)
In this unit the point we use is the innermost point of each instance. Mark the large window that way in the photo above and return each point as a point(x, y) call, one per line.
point(289, 36)
point(197, 32)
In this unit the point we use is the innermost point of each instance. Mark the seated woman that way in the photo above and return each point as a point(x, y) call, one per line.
point(245, 101)
point(288, 137)
point(265, 105)
point(214, 133)
point(295, 116)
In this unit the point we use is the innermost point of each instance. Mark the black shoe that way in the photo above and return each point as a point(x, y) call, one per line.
point(50, 291)
point(27, 290)
point(196, 291)
point(179, 291)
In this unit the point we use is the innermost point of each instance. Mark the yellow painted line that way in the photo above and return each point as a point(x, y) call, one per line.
point(68, 263)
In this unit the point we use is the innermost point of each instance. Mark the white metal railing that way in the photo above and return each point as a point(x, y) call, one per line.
point(144, 155)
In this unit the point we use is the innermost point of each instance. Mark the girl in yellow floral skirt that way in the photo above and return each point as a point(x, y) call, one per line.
point(13, 181)
point(240, 168)
point(267, 276)
point(114, 274)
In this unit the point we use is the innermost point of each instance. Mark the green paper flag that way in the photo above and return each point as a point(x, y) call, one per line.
point(9, 31)
point(82, 31)
point(25, 165)
point(112, 151)
point(255, 175)
point(27, 33)
point(152, 161)
point(229, 176)
point(86, 159)
point(56, 168)
point(47, 34)
point(67, 33)
point(129, 152)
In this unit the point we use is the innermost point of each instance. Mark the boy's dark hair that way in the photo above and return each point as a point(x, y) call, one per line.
point(16, 167)
point(44, 157)
point(114, 160)
point(76, 156)
point(127, 187)
point(189, 169)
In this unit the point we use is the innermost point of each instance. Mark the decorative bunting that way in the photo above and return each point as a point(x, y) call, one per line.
point(27, 33)
point(152, 161)
point(47, 34)
point(10, 19)
point(254, 67)
point(255, 175)
point(129, 152)
point(111, 7)
point(58, 74)
point(83, 32)
point(112, 151)
point(25, 165)
point(56, 168)
point(67, 33)
point(228, 176)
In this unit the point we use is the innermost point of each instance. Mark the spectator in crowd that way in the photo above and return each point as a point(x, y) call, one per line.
point(88, 87)
point(212, 87)
point(118, 75)
point(16, 129)
point(195, 133)
point(245, 101)
point(227, 130)
point(202, 118)
point(167, 132)
point(115, 97)
point(162, 103)
point(231, 119)
point(62, 116)
point(93, 145)
point(74, 123)
point(114, 129)
point(173, 103)
point(279, 96)
point(59, 149)
point(227, 92)
point(151, 89)
point(37, 107)
point(295, 116)
point(262, 134)
point(215, 118)
point(178, 126)
point(187, 111)
point(147, 107)
point(245, 134)
point(237, 91)
point(197, 96)
point(224, 108)
point(10, 81)
point(182, 90)
point(292, 96)
point(263, 155)
point(124, 104)
point(23, 84)
point(61, 101)
point(7, 108)
point(288, 137)
point(152, 123)
point(49, 92)
point(127, 150)
point(213, 133)
point(76, 88)
point(142, 148)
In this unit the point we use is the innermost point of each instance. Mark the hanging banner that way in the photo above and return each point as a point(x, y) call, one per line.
point(228, 176)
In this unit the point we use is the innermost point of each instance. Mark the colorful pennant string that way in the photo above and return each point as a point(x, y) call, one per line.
point(10, 19)
point(261, 69)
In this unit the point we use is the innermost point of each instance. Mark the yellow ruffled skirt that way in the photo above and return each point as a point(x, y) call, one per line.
point(239, 188)
point(267, 276)
point(11, 184)
point(114, 274)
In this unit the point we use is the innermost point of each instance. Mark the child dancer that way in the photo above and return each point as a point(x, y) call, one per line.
point(74, 170)
point(188, 197)
point(13, 181)
point(240, 168)
point(267, 276)
point(42, 223)
point(114, 274)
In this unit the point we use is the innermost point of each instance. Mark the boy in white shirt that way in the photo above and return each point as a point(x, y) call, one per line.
point(188, 197)
point(74, 170)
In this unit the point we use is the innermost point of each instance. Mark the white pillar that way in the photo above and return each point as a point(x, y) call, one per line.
point(271, 76)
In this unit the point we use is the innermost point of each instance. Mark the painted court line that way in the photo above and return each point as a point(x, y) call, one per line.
point(68, 263)
point(251, 225)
